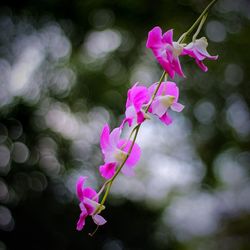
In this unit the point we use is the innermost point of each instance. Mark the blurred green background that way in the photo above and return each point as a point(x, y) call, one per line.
point(65, 68)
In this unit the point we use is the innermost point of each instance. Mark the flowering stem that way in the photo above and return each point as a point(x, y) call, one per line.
point(135, 130)
point(199, 27)
point(200, 20)
point(156, 90)
point(184, 35)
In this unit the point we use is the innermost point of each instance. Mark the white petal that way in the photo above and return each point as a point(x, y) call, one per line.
point(177, 107)
point(98, 219)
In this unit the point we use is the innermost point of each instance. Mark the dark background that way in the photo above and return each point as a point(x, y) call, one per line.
point(65, 67)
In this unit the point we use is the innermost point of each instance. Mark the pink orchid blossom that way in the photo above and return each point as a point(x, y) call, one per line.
point(137, 97)
point(165, 50)
point(198, 50)
point(88, 204)
point(115, 151)
point(166, 97)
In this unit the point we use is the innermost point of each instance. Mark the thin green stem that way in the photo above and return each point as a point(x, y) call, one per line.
point(199, 27)
point(156, 90)
point(133, 130)
point(92, 234)
point(184, 35)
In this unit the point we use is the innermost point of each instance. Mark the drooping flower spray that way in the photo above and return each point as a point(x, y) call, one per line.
point(161, 98)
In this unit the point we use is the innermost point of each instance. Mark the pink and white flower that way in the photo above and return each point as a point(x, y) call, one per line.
point(115, 151)
point(137, 97)
point(166, 97)
point(165, 50)
point(198, 50)
point(88, 204)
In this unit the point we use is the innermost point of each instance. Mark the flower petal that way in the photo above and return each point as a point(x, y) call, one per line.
point(172, 90)
point(151, 88)
point(177, 67)
point(140, 97)
point(129, 171)
point(166, 119)
point(105, 138)
point(135, 153)
point(90, 193)
point(90, 205)
point(140, 117)
point(115, 137)
point(178, 107)
point(201, 65)
point(81, 221)
point(126, 120)
point(130, 113)
point(158, 108)
point(168, 37)
point(154, 38)
point(108, 170)
point(79, 187)
point(198, 50)
point(167, 66)
point(99, 220)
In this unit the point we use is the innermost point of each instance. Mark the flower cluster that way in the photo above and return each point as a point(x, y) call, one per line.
point(159, 99)
point(167, 52)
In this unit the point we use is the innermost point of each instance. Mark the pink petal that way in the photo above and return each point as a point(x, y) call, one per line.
point(79, 187)
point(99, 220)
point(177, 107)
point(114, 137)
point(157, 108)
point(166, 65)
point(166, 119)
point(130, 113)
point(108, 170)
point(172, 89)
point(140, 117)
point(129, 171)
point(129, 97)
point(168, 37)
point(137, 96)
point(81, 221)
point(105, 138)
point(201, 65)
point(205, 54)
point(140, 97)
point(126, 120)
point(135, 153)
point(154, 38)
point(151, 89)
point(188, 50)
point(177, 67)
point(90, 193)
point(197, 55)
point(90, 205)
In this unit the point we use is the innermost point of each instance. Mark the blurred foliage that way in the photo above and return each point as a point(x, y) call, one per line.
point(65, 67)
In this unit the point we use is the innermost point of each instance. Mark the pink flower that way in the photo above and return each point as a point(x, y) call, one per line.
point(165, 50)
point(88, 204)
point(198, 50)
point(137, 97)
point(166, 97)
point(115, 151)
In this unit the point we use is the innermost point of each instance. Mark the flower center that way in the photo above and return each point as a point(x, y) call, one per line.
point(201, 43)
point(120, 155)
point(177, 49)
point(167, 100)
